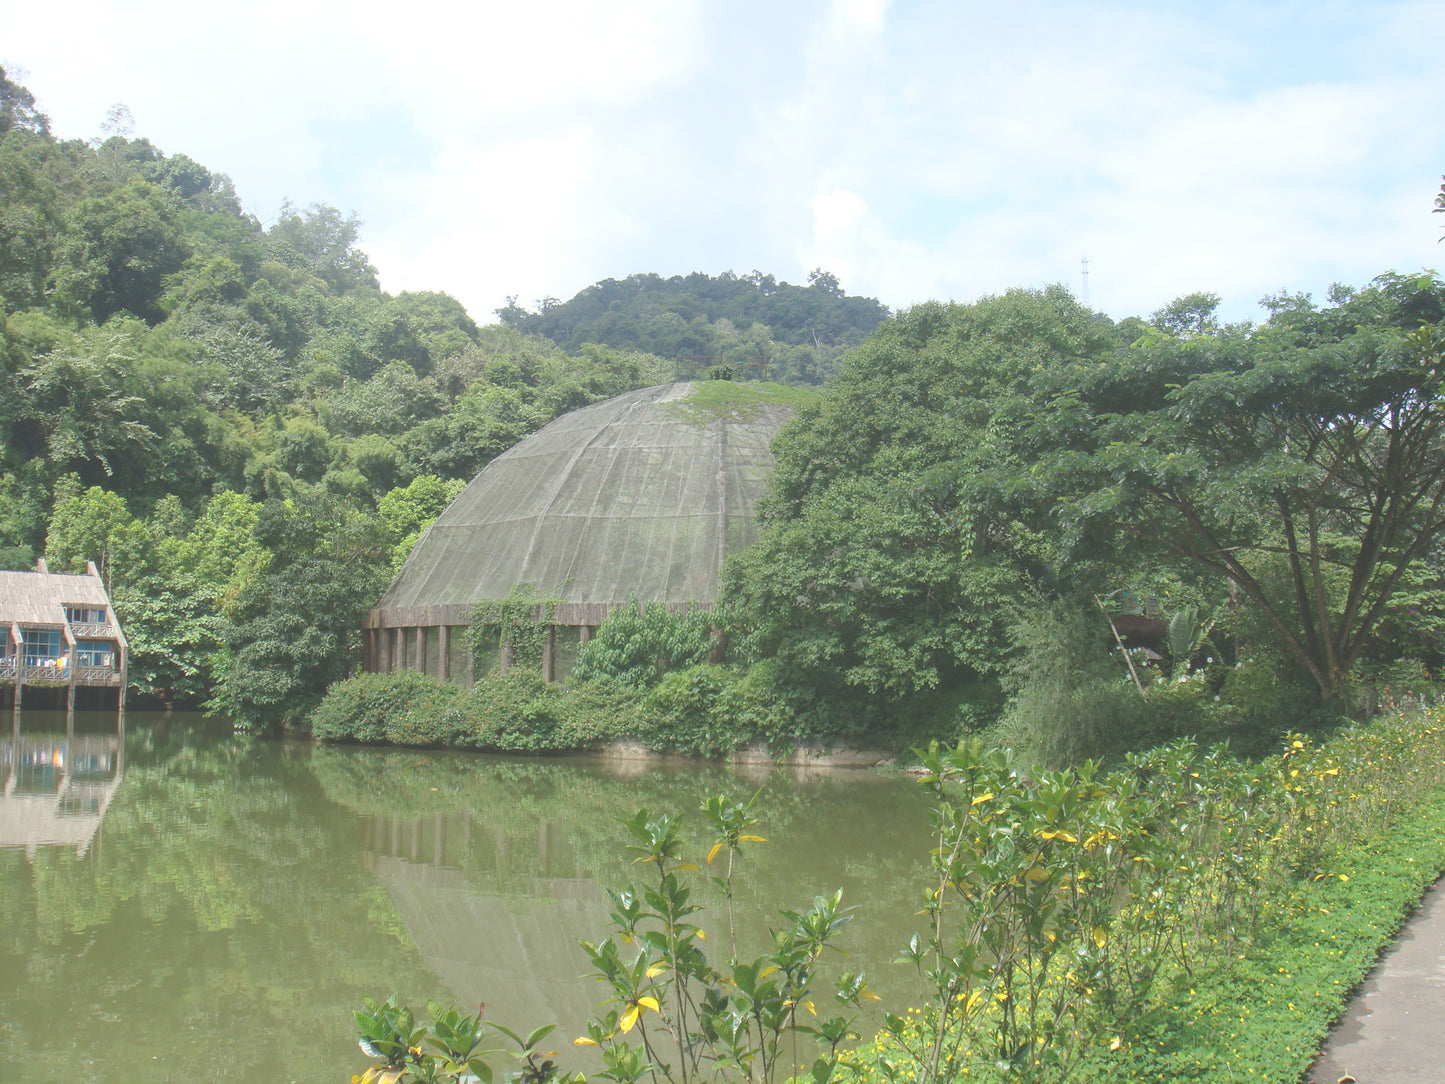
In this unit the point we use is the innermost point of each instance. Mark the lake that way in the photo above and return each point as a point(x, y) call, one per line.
point(180, 903)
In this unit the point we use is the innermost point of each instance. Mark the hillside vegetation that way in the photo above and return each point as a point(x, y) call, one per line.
point(235, 421)
point(791, 334)
point(247, 434)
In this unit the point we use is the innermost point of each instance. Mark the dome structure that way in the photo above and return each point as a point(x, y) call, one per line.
point(643, 495)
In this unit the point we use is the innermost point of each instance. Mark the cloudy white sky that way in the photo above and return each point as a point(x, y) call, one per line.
point(917, 149)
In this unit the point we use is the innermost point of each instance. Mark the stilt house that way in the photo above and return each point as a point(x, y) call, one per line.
point(59, 631)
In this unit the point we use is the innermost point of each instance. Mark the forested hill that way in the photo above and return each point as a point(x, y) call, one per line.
point(234, 421)
point(797, 333)
point(158, 341)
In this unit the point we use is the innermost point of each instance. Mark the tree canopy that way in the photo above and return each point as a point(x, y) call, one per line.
point(879, 566)
point(969, 458)
point(1303, 460)
point(790, 334)
point(172, 367)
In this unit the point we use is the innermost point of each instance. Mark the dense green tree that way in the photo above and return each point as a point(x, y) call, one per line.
point(172, 615)
point(219, 555)
point(94, 525)
point(322, 242)
point(392, 401)
point(408, 511)
point(80, 402)
point(1302, 461)
point(295, 629)
point(37, 190)
point(876, 568)
point(251, 374)
point(17, 109)
point(731, 319)
point(118, 251)
point(421, 329)
point(484, 423)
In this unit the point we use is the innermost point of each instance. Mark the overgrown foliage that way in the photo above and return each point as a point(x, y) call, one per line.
point(1188, 916)
point(449, 1051)
point(1302, 462)
point(637, 645)
point(161, 348)
point(876, 572)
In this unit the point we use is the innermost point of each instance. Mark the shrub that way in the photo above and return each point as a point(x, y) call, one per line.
point(680, 712)
point(374, 708)
point(1189, 916)
point(637, 645)
point(1070, 700)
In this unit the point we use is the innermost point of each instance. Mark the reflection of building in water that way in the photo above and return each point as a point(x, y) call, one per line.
point(58, 785)
point(515, 948)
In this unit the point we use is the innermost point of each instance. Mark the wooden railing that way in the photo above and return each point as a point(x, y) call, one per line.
point(10, 670)
point(83, 630)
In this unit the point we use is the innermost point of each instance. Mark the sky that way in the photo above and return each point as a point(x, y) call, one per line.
point(917, 150)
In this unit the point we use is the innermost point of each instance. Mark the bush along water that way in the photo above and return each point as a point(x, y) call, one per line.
point(1187, 916)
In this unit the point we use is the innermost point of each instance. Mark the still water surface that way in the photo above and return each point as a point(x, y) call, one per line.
point(178, 903)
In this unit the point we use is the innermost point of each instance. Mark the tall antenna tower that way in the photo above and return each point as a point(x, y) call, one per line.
point(1084, 293)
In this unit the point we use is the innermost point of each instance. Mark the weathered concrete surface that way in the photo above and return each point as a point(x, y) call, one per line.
point(831, 755)
point(1394, 1030)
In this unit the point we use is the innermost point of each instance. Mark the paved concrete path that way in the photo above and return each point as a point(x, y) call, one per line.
point(1394, 1030)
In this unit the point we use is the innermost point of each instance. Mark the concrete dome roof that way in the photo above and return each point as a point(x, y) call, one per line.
point(645, 494)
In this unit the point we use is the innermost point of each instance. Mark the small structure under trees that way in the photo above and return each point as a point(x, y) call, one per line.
point(60, 632)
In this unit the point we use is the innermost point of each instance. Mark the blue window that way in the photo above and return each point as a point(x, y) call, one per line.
point(85, 615)
point(95, 653)
point(40, 647)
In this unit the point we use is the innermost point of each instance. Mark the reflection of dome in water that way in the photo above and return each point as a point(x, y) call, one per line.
point(645, 494)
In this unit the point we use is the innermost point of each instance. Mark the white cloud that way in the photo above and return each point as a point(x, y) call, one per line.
point(935, 148)
point(507, 219)
point(860, 17)
point(466, 68)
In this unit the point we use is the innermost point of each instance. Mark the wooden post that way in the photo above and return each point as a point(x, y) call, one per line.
point(444, 652)
point(71, 648)
point(549, 654)
point(419, 639)
point(19, 642)
point(1129, 662)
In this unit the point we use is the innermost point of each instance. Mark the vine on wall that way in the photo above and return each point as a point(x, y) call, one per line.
point(516, 627)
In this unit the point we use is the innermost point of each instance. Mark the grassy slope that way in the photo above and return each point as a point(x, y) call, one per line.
point(1264, 1018)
